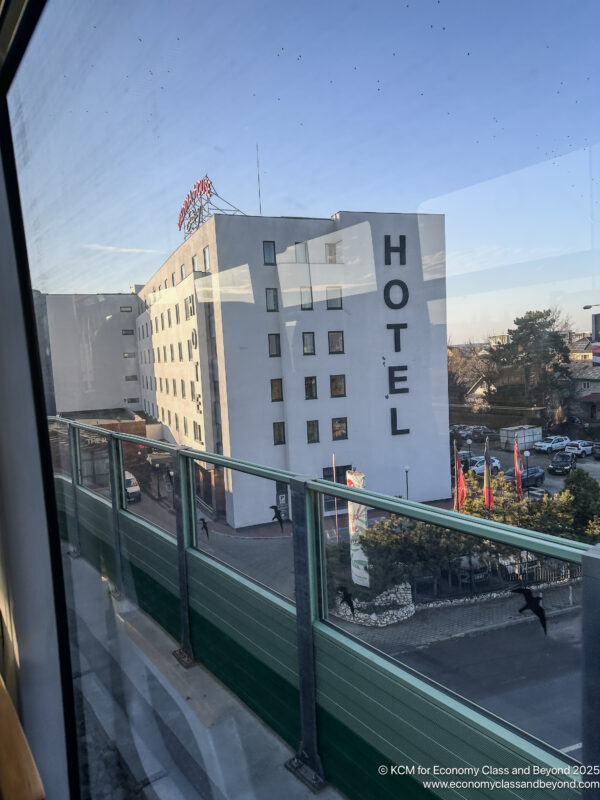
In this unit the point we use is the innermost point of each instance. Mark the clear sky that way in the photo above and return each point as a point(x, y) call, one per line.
point(487, 112)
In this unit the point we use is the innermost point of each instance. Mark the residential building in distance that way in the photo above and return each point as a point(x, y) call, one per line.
point(287, 341)
point(89, 351)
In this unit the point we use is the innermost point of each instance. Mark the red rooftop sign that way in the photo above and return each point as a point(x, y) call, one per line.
point(202, 187)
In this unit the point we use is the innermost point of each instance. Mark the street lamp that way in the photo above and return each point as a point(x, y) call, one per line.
point(469, 443)
point(526, 454)
point(406, 468)
point(587, 308)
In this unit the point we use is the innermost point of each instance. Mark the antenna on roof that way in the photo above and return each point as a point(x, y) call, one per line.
point(258, 176)
point(199, 205)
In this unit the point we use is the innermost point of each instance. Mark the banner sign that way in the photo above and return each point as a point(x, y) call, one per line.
point(357, 524)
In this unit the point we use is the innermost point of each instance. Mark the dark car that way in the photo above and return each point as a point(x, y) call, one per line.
point(534, 476)
point(562, 463)
point(481, 433)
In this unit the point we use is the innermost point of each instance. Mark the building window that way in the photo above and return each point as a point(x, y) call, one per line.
point(165, 353)
point(132, 400)
point(169, 417)
point(194, 339)
point(272, 301)
point(147, 332)
point(274, 345)
point(585, 384)
point(197, 369)
point(155, 324)
point(194, 263)
point(177, 317)
point(276, 390)
point(206, 256)
point(306, 298)
point(336, 342)
point(185, 426)
point(308, 343)
point(162, 414)
point(312, 431)
point(131, 377)
point(126, 309)
point(172, 351)
point(172, 279)
point(180, 349)
point(192, 390)
point(279, 433)
point(169, 317)
point(162, 321)
point(339, 428)
point(182, 271)
point(331, 253)
point(301, 253)
point(269, 254)
point(310, 388)
point(127, 332)
point(183, 388)
point(129, 355)
point(176, 422)
point(337, 385)
point(334, 297)
point(153, 410)
point(174, 388)
point(158, 354)
point(160, 384)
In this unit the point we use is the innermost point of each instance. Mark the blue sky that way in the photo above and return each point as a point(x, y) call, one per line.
point(486, 112)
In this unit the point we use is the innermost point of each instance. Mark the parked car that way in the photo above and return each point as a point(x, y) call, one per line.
point(562, 463)
point(532, 476)
point(519, 566)
point(478, 465)
point(474, 568)
point(580, 447)
point(466, 459)
point(132, 488)
point(481, 433)
point(551, 443)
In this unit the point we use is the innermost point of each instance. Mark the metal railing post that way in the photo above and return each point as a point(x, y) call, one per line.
point(306, 764)
point(591, 663)
point(183, 520)
point(115, 476)
point(75, 550)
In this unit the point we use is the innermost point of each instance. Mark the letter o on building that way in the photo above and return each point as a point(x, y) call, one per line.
point(387, 294)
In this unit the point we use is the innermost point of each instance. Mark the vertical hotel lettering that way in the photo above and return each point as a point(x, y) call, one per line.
point(395, 296)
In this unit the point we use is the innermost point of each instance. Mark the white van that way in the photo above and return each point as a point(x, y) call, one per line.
point(132, 488)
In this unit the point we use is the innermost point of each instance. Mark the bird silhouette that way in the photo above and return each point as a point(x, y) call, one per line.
point(277, 516)
point(346, 598)
point(533, 604)
point(204, 526)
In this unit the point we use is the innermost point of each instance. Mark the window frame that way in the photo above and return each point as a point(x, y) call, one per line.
point(306, 305)
point(331, 379)
point(306, 352)
point(279, 383)
point(339, 420)
point(329, 300)
point(272, 294)
point(335, 352)
point(276, 338)
point(278, 433)
point(310, 387)
point(265, 262)
point(309, 440)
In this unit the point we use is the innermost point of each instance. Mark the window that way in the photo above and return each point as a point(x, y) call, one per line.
point(169, 416)
point(185, 427)
point(169, 317)
point(331, 253)
point(197, 370)
point(194, 339)
point(301, 253)
point(176, 422)
point(197, 432)
point(172, 351)
point(310, 388)
point(274, 345)
point(162, 321)
point(306, 298)
point(177, 317)
point(183, 388)
point(172, 279)
point(339, 428)
point(155, 324)
point(131, 377)
point(126, 309)
point(180, 350)
point(129, 355)
point(160, 384)
point(276, 390)
point(190, 352)
point(336, 341)
point(308, 343)
point(132, 400)
point(279, 433)
point(206, 256)
point(162, 414)
point(272, 301)
point(585, 384)
point(153, 410)
point(166, 283)
point(127, 332)
point(158, 354)
point(174, 388)
point(194, 263)
point(182, 271)
point(192, 390)
point(269, 253)
point(334, 297)
point(337, 385)
point(165, 353)
point(147, 333)
point(312, 431)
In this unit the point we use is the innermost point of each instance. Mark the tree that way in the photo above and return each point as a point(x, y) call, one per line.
point(465, 366)
point(586, 497)
point(531, 369)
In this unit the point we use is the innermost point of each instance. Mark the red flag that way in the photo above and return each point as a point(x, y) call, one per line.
point(518, 471)
point(460, 487)
point(487, 477)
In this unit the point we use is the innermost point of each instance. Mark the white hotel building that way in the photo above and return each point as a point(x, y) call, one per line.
point(285, 341)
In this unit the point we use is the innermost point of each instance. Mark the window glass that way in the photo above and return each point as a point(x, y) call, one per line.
point(339, 428)
point(337, 385)
point(306, 298)
point(301, 252)
point(334, 297)
point(272, 301)
point(312, 431)
point(331, 253)
point(310, 388)
point(274, 344)
point(276, 390)
point(336, 341)
point(278, 433)
point(269, 253)
point(308, 343)
point(206, 257)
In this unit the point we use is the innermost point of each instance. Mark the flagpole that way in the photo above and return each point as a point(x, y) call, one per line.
point(337, 532)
